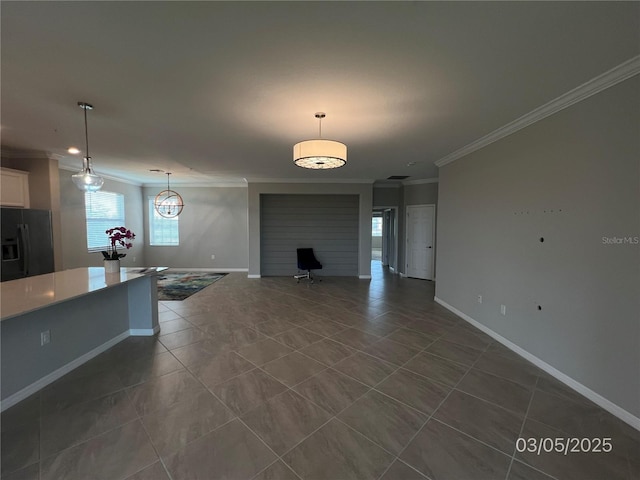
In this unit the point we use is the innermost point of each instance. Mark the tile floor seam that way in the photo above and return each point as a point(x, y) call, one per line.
point(489, 402)
point(506, 378)
point(431, 416)
point(144, 427)
point(59, 452)
point(274, 463)
point(373, 356)
point(310, 400)
point(524, 421)
point(279, 457)
point(365, 437)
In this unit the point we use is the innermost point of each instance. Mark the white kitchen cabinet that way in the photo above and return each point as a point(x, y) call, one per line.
point(14, 189)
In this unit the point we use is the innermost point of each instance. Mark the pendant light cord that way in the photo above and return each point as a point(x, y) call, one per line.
point(86, 130)
point(320, 127)
point(168, 189)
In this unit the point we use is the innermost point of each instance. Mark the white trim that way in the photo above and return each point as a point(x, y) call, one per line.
point(364, 277)
point(12, 153)
point(253, 276)
point(311, 180)
point(144, 332)
point(596, 398)
point(422, 181)
point(108, 177)
point(60, 372)
point(212, 270)
point(242, 184)
point(608, 79)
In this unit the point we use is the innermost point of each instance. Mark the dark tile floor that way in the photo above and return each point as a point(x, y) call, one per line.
point(343, 379)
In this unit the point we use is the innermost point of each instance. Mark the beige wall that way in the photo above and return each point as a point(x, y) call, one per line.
point(213, 222)
point(572, 179)
point(74, 229)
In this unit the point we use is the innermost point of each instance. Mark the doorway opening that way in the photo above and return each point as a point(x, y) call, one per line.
point(376, 237)
point(384, 237)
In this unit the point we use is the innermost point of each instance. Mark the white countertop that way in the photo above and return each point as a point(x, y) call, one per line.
point(33, 293)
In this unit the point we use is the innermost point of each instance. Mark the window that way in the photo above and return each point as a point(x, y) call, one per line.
point(376, 227)
point(162, 231)
point(103, 210)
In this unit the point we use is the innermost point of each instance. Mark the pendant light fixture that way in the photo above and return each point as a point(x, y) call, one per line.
point(86, 180)
point(320, 154)
point(168, 203)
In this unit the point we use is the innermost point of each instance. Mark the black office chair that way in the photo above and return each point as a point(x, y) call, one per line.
point(307, 261)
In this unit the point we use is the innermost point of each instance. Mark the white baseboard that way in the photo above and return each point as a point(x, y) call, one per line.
point(253, 276)
point(364, 277)
point(60, 372)
point(144, 332)
point(596, 398)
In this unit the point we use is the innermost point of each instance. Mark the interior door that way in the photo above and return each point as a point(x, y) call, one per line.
point(420, 240)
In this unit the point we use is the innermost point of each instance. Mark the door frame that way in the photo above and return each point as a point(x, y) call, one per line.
point(394, 234)
point(433, 238)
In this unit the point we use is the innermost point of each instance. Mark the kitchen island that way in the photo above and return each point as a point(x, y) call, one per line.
point(53, 323)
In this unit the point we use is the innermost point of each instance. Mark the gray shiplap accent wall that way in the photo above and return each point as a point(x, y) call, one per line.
point(327, 223)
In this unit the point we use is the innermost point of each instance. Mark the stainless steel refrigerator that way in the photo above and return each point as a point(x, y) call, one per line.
point(27, 243)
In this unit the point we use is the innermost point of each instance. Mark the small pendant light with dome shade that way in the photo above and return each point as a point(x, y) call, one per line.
point(86, 180)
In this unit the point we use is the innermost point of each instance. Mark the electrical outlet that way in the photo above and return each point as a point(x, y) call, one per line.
point(134, 259)
point(213, 257)
point(45, 337)
point(479, 298)
point(503, 309)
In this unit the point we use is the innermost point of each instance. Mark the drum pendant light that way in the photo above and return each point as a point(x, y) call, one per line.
point(320, 154)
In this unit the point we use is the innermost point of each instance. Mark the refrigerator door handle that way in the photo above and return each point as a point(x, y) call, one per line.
point(26, 248)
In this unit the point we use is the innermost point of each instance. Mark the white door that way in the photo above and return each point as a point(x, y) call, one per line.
point(420, 239)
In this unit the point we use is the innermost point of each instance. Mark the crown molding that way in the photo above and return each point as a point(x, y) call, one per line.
point(597, 84)
point(309, 180)
point(16, 153)
point(107, 177)
point(198, 185)
point(387, 185)
point(421, 181)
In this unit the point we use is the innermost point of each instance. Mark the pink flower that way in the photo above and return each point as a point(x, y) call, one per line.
point(118, 236)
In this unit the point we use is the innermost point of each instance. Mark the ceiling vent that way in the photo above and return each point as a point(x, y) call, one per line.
point(398, 177)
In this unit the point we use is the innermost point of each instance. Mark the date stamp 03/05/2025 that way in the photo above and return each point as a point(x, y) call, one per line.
point(564, 445)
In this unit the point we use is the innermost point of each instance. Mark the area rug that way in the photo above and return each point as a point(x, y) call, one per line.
point(181, 285)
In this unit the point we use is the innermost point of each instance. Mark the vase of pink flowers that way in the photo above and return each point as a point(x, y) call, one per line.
point(118, 237)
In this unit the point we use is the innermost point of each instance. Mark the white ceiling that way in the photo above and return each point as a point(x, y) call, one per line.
point(220, 91)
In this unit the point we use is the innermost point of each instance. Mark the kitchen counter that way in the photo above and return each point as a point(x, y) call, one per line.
point(55, 322)
point(25, 295)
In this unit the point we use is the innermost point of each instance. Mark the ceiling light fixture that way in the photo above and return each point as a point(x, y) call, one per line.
point(168, 203)
point(320, 154)
point(86, 180)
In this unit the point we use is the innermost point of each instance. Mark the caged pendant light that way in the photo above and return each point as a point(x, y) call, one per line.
point(86, 180)
point(320, 154)
point(168, 203)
